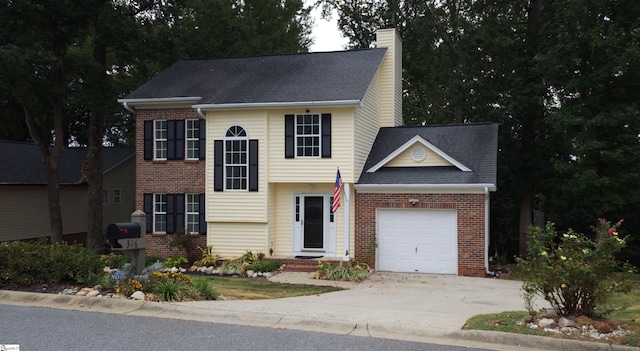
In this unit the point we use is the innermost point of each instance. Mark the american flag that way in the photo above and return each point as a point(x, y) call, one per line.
point(336, 193)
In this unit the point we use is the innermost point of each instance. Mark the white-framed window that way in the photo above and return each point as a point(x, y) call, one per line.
point(159, 213)
point(236, 161)
point(308, 135)
point(192, 220)
point(192, 139)
point(160, 131)
point(117, 196)
point(105, 196)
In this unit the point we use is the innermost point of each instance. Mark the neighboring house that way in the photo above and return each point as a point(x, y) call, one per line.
point(247, 150)
point(24, 209)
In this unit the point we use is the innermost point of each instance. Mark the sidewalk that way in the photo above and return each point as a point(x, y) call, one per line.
point(414, 307)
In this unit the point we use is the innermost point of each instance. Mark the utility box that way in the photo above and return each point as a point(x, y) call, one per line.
point(125, 236)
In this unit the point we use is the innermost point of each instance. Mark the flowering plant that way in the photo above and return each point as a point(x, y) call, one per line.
point(572, 272)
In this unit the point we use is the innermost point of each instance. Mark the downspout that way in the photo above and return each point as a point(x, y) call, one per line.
point(126, 107)
point(347, 221)
point(200, 113)
point(486, 232)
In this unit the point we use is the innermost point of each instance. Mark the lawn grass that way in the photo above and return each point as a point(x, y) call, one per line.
point(627, 314)
point(260, 289)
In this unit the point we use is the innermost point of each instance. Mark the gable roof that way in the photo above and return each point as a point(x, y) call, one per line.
point(470, 148)
point(339, 77)
point(21, 163)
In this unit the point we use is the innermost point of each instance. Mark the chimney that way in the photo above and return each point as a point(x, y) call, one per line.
point(390, 77)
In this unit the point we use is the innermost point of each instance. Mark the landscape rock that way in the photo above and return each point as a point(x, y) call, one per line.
point(93, 293)
point(547, 323)
point(138, 295)
point(566, 322)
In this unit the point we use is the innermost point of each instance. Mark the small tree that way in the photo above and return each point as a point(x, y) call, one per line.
point(572, 272)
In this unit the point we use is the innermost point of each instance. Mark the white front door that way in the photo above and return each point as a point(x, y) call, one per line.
point(313, 224)
point(424, 241)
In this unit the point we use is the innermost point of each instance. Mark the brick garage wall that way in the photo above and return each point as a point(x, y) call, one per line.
point(471, 219)
point(170, 177)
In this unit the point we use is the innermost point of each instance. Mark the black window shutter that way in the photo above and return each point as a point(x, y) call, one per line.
point(253, 165)
point(171, 208)
point(171, 140)
point(326, 135)
point(179, 212)
point(218, 164)
point(203, 138)
point(201, 213)
point(289, 136)
point(148, 210)
point(179, 139)
point(148, 140)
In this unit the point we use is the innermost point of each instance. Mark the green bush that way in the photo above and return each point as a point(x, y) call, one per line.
point(208, 257)
point(27, 263)
point(176, 261)
point(151, 259)
point(203, 290)
point(264, 266)
point(575, 274)
point(115, 260)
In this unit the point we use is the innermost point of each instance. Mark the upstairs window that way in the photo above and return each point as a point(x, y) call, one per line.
point(307, 135)
point(160, 133)
point(192, 139)
point(235, 158)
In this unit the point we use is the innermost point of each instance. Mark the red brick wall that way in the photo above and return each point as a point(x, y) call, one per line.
point(470, 210)
point(170, 176)
point(157, 245)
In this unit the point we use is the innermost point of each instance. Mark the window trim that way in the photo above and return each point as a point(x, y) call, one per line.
point(243, 139)
point(195, 214)
point(157, 140)
point(315, 136)
point(195, 140)
point(156, 213)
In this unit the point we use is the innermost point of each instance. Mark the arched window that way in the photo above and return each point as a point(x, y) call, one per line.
point(236, 161)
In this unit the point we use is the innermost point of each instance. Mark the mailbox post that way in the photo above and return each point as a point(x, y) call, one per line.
point(130, 238)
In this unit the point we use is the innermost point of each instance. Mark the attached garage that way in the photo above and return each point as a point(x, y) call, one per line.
point(417, 240)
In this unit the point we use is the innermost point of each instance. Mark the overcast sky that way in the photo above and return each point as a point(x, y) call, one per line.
point(326, 34)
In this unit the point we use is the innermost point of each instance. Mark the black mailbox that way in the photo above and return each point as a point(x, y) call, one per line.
point(123, 231)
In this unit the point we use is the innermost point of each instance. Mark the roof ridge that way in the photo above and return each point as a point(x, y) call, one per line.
point(280, 55)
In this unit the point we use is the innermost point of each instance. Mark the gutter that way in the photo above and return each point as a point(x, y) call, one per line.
point(273, 105)
point(125, 104)
point(445, 188)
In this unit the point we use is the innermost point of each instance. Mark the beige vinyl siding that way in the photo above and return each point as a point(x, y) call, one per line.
point(390, 75)
point(24, 211)
point(237, 205)
point(404, 159)
point(121, 177)
point(312, 170)
point(366, 123)
point(234, 239)
point(282, 237)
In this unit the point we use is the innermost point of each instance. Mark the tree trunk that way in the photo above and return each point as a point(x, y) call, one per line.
point(525, 222)
point(95, 234)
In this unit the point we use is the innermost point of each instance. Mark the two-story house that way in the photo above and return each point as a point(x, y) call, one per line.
point(247, 150)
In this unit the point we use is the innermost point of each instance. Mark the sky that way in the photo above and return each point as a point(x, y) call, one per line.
point(326, 34)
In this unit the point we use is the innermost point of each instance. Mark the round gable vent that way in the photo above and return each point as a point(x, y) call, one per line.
point(418, 153)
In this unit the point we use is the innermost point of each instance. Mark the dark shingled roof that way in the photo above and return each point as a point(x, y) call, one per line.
point(473, 145)
point(306, 77)
point(22, 163)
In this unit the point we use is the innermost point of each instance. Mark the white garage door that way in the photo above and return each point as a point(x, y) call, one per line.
point(422, 241)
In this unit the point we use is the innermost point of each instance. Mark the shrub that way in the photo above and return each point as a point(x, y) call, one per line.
point(115, 260)
point(203, 290)
point(170, 290)
point(264, 266)
point(232, 266)
point(34, 262)
point(208, 257)
point(151, 259)
point(176, 261)
point(128, 286)
point(354, 271)
point(572, 272)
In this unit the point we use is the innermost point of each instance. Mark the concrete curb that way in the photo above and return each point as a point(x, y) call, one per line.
point(345, 326)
